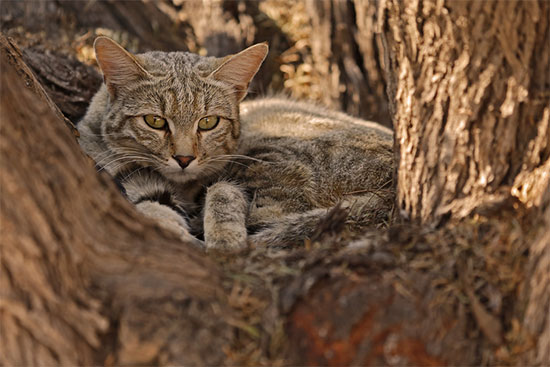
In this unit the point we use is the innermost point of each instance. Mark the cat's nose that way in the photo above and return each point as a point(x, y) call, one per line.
point(183, 160)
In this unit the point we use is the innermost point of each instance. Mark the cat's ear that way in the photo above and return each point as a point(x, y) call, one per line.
point(119, 67)
point(238, 70)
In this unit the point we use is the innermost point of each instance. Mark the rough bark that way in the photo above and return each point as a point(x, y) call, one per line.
point(468, 87)
point(536, 297)
point(140, 23)
point(68, 82)
point(345, 54)
point(469, 91)
point(366, 307)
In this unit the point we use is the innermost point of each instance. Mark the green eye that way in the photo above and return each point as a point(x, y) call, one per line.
point(154, 121)
point(208, 123)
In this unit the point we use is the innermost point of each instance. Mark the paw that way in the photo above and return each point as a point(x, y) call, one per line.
point(168, 219)
point(226, 239)
point(225, 212)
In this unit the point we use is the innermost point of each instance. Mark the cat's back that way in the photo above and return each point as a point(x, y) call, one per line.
point(284, 117)
point(303, 131)
point(308, 156)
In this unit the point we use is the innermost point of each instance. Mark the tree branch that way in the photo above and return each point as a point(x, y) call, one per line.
point(81, 269)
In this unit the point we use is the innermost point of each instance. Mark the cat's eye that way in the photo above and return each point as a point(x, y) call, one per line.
point(208, 123)
point(154, 121)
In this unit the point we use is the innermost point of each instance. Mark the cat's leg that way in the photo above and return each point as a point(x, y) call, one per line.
point(169, 218)
point(155, 198)
point(225, 211)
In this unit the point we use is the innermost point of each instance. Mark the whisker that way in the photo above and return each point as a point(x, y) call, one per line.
point(120, 152)
point(128, 159)
point(216, 159)
point(114, 169)
point(112, 156)
point(132, 173)
point(105, 166)
point(242, 156)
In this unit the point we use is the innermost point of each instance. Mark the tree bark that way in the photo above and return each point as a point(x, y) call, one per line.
point(469, 95)
point(469, 91)
point(346, 56)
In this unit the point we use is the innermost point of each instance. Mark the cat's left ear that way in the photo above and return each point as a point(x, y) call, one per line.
point(238, 70)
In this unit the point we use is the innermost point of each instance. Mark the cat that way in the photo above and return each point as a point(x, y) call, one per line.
point(172, 131)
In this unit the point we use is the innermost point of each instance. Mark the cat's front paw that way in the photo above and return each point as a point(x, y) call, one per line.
point(226, 240)
point(224, 218)
point(169, 219)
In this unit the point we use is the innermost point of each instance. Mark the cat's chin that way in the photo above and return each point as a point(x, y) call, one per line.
point(174, 173)
point(180, 176)
point(194, 172)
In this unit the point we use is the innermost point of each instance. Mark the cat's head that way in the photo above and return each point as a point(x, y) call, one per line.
point(174, 111)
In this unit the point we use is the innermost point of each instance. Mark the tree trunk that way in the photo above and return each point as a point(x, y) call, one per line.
point(346, 57)
point(469, 91)
point(469, 87)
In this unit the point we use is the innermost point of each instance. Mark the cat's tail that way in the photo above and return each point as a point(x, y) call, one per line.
point(354, 214)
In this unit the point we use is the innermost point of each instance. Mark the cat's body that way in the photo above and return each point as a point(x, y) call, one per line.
point(267, 174)
point(308, 160)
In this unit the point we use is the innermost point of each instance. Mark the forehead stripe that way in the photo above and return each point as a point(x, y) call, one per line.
point(162, 103)
point(172, 99)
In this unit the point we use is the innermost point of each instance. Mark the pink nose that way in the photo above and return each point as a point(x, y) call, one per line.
point(183, 160)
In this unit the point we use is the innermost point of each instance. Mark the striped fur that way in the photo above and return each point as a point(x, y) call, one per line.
point(266, 174)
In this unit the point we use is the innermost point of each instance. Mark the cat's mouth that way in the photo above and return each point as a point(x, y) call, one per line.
point(177, 172)
point(195, 170)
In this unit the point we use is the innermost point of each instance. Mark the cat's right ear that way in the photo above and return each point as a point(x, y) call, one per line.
point(119, 67)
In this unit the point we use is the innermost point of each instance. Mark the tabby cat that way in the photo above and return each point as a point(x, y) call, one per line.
point(170, 128)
